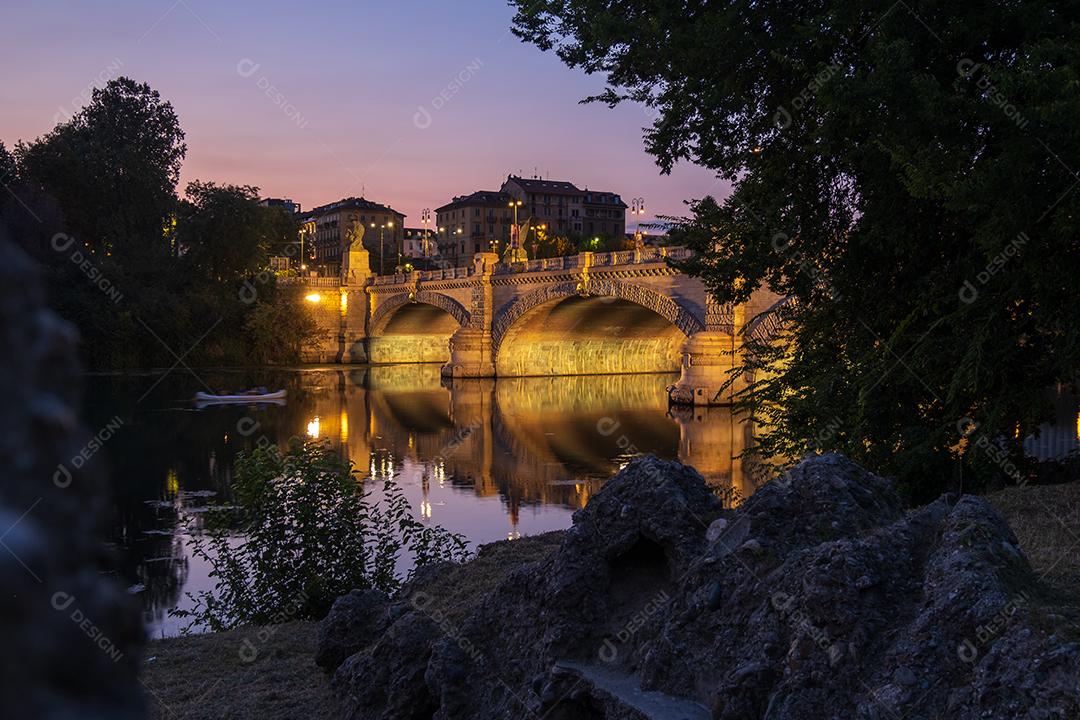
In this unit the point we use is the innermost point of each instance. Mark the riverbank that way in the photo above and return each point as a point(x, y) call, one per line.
point(270, 674)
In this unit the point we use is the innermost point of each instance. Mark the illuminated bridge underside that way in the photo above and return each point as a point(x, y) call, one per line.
point(415, 333)
point(589, 336)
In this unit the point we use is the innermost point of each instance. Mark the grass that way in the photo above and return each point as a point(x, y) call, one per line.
point(1046, 521)
point(269, 673)
point(213, 676)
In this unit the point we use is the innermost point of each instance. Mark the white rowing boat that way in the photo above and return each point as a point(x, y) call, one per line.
point(268, 397)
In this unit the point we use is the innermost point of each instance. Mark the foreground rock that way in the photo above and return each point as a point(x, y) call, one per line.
point(817, 598)
point(72, 637)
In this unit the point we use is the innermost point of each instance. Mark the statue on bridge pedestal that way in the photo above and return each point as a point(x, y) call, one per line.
point(355, 265)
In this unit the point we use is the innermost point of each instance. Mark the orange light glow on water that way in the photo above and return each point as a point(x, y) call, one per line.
point(313, 428)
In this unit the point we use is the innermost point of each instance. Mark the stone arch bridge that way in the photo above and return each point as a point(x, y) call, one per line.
point(593, 313)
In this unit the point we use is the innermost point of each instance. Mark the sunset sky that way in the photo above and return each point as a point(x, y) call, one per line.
point(408, 102)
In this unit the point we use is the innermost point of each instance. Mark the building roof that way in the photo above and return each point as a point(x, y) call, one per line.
point(612, 197)
point(482, 198)
point(541, 185)
point(350, 203)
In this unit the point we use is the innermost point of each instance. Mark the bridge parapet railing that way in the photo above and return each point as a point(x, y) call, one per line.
point(311, 281)
point(564, 262)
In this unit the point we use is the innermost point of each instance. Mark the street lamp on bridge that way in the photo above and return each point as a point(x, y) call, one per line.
point(637, 207)
point(425, 220)
point(382, 246)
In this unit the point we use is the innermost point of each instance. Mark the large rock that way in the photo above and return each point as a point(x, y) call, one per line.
point(353, 621)
point(819, 597)
point(72, 636)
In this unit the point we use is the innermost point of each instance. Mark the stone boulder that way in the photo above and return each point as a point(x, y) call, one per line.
point(819, 597)
point(352, 623)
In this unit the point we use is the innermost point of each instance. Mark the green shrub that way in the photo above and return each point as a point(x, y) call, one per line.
point(304, 533)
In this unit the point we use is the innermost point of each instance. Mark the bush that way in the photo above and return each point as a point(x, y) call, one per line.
point(304, 533)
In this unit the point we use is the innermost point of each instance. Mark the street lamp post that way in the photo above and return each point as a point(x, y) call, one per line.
point(515, 204)
point(382, 246)
point(425, 220)
point(637, 207)
point(515, 239)
point(536, 238)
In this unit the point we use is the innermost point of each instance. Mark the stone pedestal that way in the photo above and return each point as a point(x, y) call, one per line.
point(355, 266)
point(708, 358)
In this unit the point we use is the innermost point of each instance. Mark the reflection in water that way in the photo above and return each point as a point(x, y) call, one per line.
point(489, 459)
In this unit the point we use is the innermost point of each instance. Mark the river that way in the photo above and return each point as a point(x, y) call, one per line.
point(489, 459)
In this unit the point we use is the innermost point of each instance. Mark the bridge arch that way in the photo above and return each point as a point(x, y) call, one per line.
point(386, 309)
point(414, 327)
point(613, 327)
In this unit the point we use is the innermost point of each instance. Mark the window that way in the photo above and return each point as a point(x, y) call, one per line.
point(476, 212)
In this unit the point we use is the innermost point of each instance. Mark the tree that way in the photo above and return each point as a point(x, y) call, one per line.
point(113, 167)
point(279, 325)
point(7, 166)
point(223, 232)
point(904, 174)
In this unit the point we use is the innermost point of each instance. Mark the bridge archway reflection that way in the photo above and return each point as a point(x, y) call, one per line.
point(479, 453)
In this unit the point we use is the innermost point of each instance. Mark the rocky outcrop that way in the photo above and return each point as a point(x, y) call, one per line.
point(819, 597)
point(352, 623)
point(71, 636)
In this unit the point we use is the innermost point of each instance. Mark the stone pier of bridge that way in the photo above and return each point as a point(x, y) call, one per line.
point(594, 313)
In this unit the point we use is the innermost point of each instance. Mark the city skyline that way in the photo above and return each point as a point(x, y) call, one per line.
point(402, 112)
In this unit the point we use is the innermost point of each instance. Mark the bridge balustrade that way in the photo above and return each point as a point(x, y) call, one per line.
point(620, 257)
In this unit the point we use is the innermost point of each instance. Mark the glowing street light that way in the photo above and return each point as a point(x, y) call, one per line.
point(382, 246)
point(313, 297)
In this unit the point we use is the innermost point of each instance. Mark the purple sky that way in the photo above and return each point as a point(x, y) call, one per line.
point(409, 102)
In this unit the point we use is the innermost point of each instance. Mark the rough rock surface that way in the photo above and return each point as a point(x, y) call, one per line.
point(353, 621)
point(72, 637)
point(819, 597)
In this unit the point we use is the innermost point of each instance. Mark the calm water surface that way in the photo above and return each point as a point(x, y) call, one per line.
point(489, 459)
